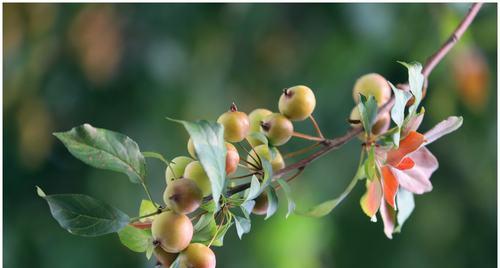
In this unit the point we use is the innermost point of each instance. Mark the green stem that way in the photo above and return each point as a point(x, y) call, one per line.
point(149, 194)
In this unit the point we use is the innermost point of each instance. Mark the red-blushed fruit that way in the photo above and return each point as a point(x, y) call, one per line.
point(183, 196)
point(261, 204)
point(256, 117)
point(175, 169)
point(194, 171)
point(381, 125)
point(297, 103)
point(164, 258)
point(372, 85)
point(232, 158)
point(277, 128)
point(172, 231)
point(236, 125)
point(197, 255)
point(262, 150)
point(191, 150)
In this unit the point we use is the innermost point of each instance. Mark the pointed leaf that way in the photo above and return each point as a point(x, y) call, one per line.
point(368, 111)
point(447, 126)
point(371, 200)
point(254, 189)
point(416, 81)
point(83, 215)
point(105, 149)
point(147, 207)
point(406, 204)
point(208, 141)
point(272, 199)
point(135, 239)
point(288, 195)
point(401, 97)
point(243, 225)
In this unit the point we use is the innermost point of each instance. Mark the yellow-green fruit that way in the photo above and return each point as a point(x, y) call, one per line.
point(194, 171)
point(197, 255)
point(191, 150)
point(372, 85)
point(263, 151)
point(261, 204)
point(182, 196)
point(176, 168)
point(256, 117)
point(172, 231)
point(297, 103)
point(381, 125)
point(277, 128)
point(236, 125)
point(232, 159)
point(164, 258)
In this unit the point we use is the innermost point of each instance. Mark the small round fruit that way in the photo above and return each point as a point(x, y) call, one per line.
point(297, 103)
point(191, 150)
point(372, 85)
point(172, 231)
point(232, 159)
point(381, 125)
point(194, 171)
point(197, 255)
point(164, 258)
point(183, 196)
point(278, 129)
point(256, 117)
point(236, 124)
point(261, 204)
point(175, 169)
point(277, 162)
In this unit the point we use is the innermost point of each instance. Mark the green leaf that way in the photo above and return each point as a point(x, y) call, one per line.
point(368, 112)
point(205, 229)
point(135, 239)
point(326, 207)
point(272, 199)
point(416, 81)
point(247, 207)
point(267, 168)
point(105, 149)
point(260, 137)
point(243, 225)
point(156, 156)
point(209, 206)
point(219, 240)
point(83, 215)
point(401, 97)
point(406, 204)
point(254, 189)
point(147, 207)
point(288, 195)
point(370, 167)
point(208, 141)
point(149, 250)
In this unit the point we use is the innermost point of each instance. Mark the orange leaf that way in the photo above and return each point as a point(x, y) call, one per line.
point(406, 163)
point(370, 201)
point(409, 144)
point(390, 185)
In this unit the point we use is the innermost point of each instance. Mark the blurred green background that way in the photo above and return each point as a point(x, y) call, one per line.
point(125, 67)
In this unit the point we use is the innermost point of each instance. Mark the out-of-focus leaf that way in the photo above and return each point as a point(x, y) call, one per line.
point(247, 207)
point(370, 167)
point(147, 207)
point(254, 189)
point(259, 136)
point(205, 230)
point(105, 149)
point(84, 215)
point(208, 141)
point(135, 239)
point(401, 97)
point(288, 195)
point(156, 156)
point(268, 173)
point(219, 239)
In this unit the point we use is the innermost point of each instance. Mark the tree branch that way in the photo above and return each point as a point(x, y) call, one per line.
point(332, 144)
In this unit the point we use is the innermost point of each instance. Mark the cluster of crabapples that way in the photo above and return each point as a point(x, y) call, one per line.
point(188, 184)
point(375, 85)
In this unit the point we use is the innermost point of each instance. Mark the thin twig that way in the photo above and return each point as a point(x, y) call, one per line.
point(301, 151)
point(244, 176)
point(316, 126)
point(307, 137)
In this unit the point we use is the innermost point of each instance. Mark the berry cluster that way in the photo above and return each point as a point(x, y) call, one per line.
point(188, 183)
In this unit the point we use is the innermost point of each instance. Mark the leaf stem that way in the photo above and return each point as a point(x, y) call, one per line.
point(316, 126)
point(306, 137)
point(148, 194)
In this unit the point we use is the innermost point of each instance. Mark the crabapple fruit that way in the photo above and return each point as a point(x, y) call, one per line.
point(183, 196)
point(372, 85)
point(194, 171)
point(278, 129)
point(172, 231)
point(236, 124)
point(297, 103)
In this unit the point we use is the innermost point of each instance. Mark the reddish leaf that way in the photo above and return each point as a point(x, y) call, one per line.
point(406, 163)
point(409, 144)
point(370, 201)
point(390, 185)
